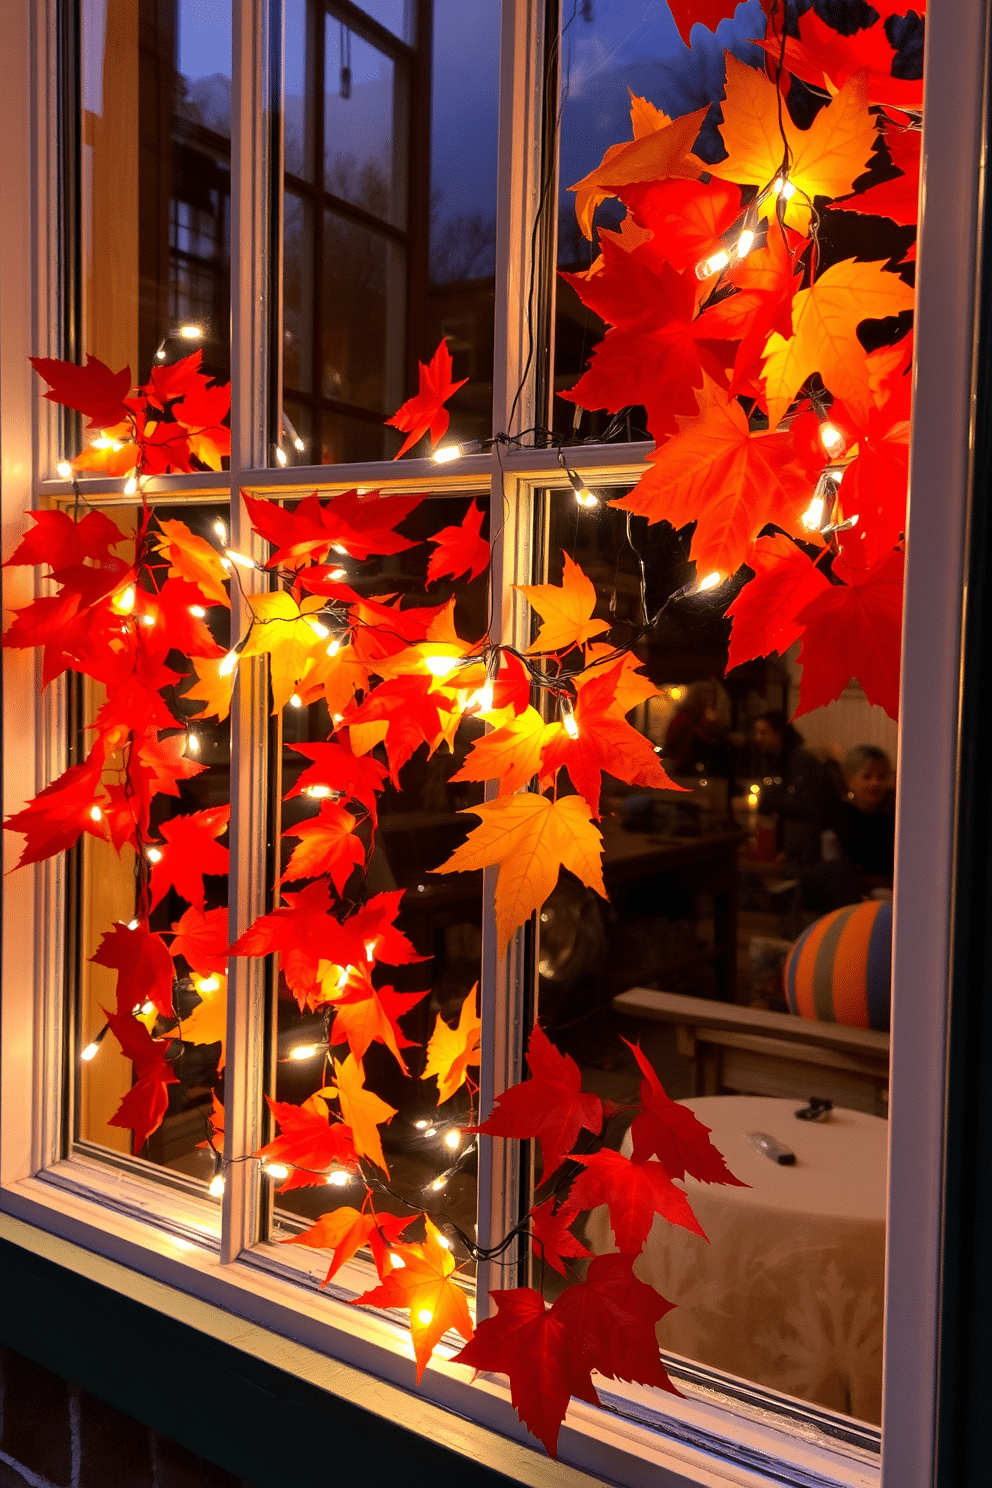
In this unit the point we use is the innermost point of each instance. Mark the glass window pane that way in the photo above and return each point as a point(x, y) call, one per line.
point(155, 198)
point(298, 100)
point(362, 164)
point(709, 889)
point(396, 15)
point(297, 306)
point(105, 894)
point(360, 267)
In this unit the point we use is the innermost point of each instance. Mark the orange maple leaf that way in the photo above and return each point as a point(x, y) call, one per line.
point(566, 610)
point(207, 1023)
point(327, 845)
point(193, 558)
point(426, 410)
point(824, 339)
point(451, 1050)
point(660, 147)
point(424, 1284)
point(729, 481)
point(361, 1110)
point(511, 754)
point(212, 688)
point(824, 160)
point(530, 839)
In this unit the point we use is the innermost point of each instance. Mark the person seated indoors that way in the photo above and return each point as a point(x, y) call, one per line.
point(696, 740)
point(858, 846)
point(792, 785)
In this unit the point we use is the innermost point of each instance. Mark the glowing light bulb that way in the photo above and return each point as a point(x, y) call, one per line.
point(216, 1186)
point(453, 1140)
point(240, 559)
point(124, 602)
point(444, 1242)
point(147, 1008)
point(711, 581)
point(148, 619)
point(336, 719)
point(317, 628)
point(228, 664)
point(197, 611)
point(131, 486)
point(154, 855)
point(338, 1178)
point(275, 1170)
point(424, 1316)
point(784, 188)
point(586, 498)
point(441, 666)
point(103, 442)
point(370, 946)
point(304, 1051)
point(421, 1125)
point(193, 743)
point(481, 701)
point(445, 453)
point(160, 355)
point(343, 975)
point(90, 1051)
point(399, 1264)
point(568, 719)
point(298, 444)
point(209, 984)
point(296, 701)
point(333, 648)
point(431, 1131)
point(831, 438)
point(221, 530)
point(337, 574)
point(64, 469)
point(96, 814)
point(191, 332)
point(339, 548)
point(132, 924)
point(281, 455)
point(812, 517)
point(676, 694)
point(713, 265)
point(744, 243)
point(319, 792)
point(439, 1183)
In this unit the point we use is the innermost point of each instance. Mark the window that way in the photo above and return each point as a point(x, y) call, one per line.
point(212, 148)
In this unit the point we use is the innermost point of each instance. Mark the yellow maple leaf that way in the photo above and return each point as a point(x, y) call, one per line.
point(824, 160)
point(336, 675)
point(211, 687)
point(652, 154)
point(283, 632)
point(207, 1023)
point(362, 1110)
point(194, 559)
point(451, 1050)
point(423, 1284)
point(825, 319)
point(511, 754)
point(566, 610)
point(633, 688)
point(530, 839)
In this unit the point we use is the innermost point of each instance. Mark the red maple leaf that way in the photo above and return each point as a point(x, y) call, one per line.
point(854, 629)
point(309, 1143)
point(60, 542)
point(143, 965)
point(356, 526)
point(201, 937)
point(365, 1015)
point(93, 390)
point(687, 218)
point(460, 550)
point(900, 197)
point(374, 925)
point(876, 482)
point(336, 770)
point(173, 381)
point(426, 411)
point(511, 685)
point(551, 1234)
point(327, 845)
point(146, 1103)
point(343, 1231)
point(634, 1192)
point(58, 816)
point(189, 851)
point(550, 1106)
point(611, 1318)
point(764, 612)
point(674, 1134)
point(304, 934)
point(821, 54)
point(709, 13)
point(605, 742)
point(412, 709)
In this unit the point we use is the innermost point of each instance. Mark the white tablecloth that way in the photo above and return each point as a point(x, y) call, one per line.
point(788, 1292)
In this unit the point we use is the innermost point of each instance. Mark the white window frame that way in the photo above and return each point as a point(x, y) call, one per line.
point(149, 1232)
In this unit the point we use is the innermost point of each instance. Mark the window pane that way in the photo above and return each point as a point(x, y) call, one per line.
point(709, 889)
point(105, 894)
point(396, 15)
point(155, 198)
point(395, 247)
point(418, 829)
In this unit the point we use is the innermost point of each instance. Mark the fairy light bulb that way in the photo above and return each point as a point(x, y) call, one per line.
point(398, 1263)
point(339, 1178)
point(370, 946)
point(281, 456)
point(296, 701)
point(124, 602)
point(228, 664)
point(221, 530)
point(275, 1170)
point(304, 1051)
point(340, 547)
point(318, 628)
point(343, 975)
point(441, 666)
point(812, 517)
point(586, 499)
point(193, 743)
point(191, 332)
point(337, 574)
point(676, 694)
point(445, 453)
point(333, 648)
point(132, 924)
point(453, 1140)
point(198, 612)
point(711, 581)
point(831, 438)
point(147, 619)
point(240, 559)
point(96, 814)
point(209, 984)
point(215, 1188)
point(744, 243)
point(431, 1131)
point(568, 720)
point(154, 855)
point(481, 701)
point(131, 486)
point(103, 443)
point(439, 1183)
point(424, 1316)
point(318, 792)
point(715, 264)
point(64, 469)
point(444, 1242)
point(90, 1052)
point(147, 1008)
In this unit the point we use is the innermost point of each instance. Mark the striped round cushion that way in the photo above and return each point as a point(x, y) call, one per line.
point(840, 969)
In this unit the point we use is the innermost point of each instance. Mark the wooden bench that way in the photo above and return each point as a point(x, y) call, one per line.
point(751, 1052)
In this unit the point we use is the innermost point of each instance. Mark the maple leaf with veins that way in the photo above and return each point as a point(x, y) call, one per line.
point(364, 1015)
point(336, 768)
point(362, 1110)
point(304, 933)
point(424, 1284)
point(374, 925)
point(551, 1235)
point(207, 1023)
point(143, 965)
point(826, 60)
point(327, 845)
point(308, 1143)
point(688, 219)
point(145, 1104)
point(764, 612)
point(426, 411)
point(661, 147)
point(551, 1106)
point(565, 608)
point(674, 1134)
point(58, 816)
point(344, 1231)
point(511, 754)
point(853, 629)
point(530, 839)
point(190, 850)
point(634, 1192)
point(604, 743)
point(611, 1318)
point(94, 391)
point(460, 550)
point(357, 526)
point(201, 937)
point(192, 558)
point(450, 1051)
point(281, 629)
point(62, 543)
point(899, 198)
point(402, 713)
